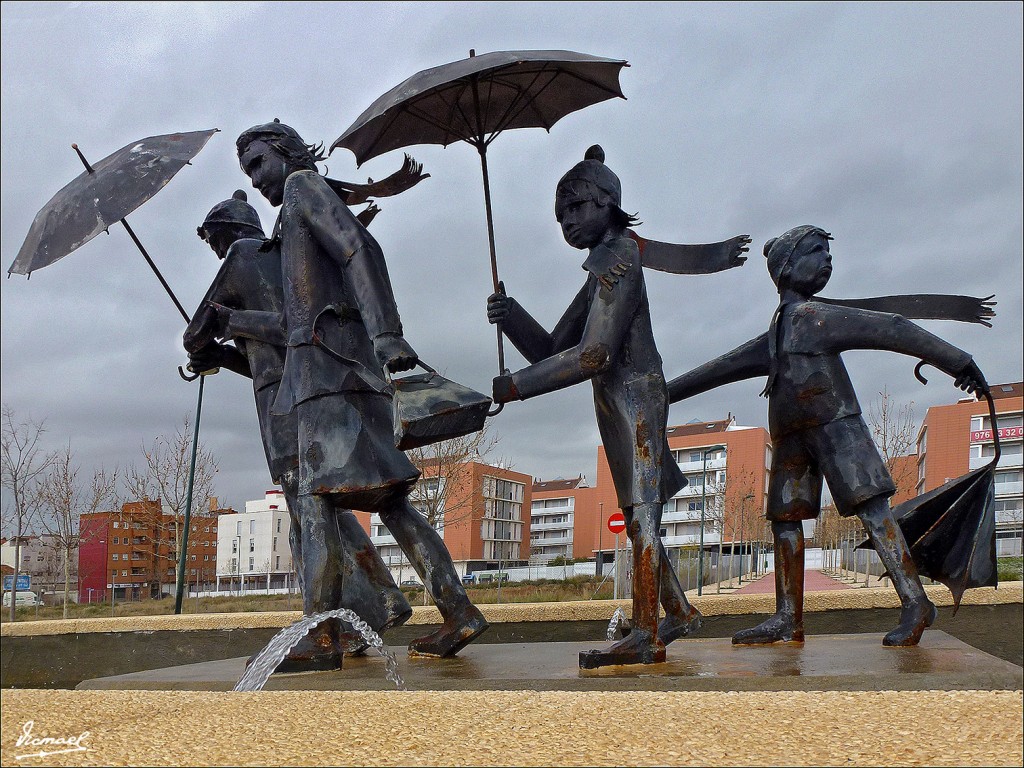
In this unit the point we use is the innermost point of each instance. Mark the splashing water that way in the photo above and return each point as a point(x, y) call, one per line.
point(263, 666)
point(617, 618)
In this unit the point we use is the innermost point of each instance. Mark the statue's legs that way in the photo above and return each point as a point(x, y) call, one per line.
point(641, 645)
point(366, 583)
point(681, 618)
point(887, 538)
point(787, 625)
point(322, 554)
point(425, 549)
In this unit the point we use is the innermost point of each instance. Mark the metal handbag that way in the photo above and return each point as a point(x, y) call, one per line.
point(429, 408)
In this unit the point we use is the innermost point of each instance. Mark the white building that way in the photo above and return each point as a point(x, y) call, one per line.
point(252, 546)
point(552, 519)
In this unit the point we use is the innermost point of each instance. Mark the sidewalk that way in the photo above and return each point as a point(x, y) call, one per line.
point(814, 581)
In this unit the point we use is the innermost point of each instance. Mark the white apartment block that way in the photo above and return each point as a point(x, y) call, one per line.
point(252, 546)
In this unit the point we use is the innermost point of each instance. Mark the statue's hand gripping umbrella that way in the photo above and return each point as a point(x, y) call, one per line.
point(476, 99)
point(102, 196)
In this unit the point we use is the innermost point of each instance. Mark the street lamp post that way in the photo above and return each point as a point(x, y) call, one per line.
point(703, 508)
point(600, 538)
point(743, 520)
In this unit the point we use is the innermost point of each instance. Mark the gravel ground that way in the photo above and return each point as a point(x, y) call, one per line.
point(518, 728)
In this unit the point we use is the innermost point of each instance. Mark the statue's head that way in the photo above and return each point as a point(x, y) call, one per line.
point(799, 259)
point(230, 220)
point(270, 153)
point(588, 200)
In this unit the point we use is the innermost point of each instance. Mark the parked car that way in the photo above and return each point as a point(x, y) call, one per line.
point(411, 583)
point(25, 599)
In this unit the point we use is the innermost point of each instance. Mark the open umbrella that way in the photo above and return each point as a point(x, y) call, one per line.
point(104, 195)
point(951, 530)
point(476, 99)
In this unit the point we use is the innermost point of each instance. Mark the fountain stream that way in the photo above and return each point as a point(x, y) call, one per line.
point(263, 666)
point(617, 618)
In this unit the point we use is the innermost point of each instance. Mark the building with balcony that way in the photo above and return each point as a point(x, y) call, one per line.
point(252, 546)
point(477, 508)
point(725, 466)
point(553, 512)
point(42, 560)
point(957, 438)
point(132, 553)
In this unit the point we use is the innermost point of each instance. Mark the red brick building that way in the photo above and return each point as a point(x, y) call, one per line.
point(133, 552)
point(481, 511)
point(957, 438)
point(737, 485)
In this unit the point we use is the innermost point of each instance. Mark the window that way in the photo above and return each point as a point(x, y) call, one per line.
point(116, 524)
point(252, 526)
point(277, 563)
point(115, 540)
point(193, 557)
point(234, 546)
point(238, 528)
point(273, 545)
point(124, 573)
point(214, 529)
point(206, 529)
point(252, 563)
point(279, 525)
point(252, 545)
point(114, 557)
point(206, 558)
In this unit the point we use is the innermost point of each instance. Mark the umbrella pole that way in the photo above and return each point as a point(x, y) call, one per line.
point(179, 593)
point(495, 284)
point(199, 404)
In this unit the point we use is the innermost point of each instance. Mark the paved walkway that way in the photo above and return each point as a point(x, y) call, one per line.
point(814, 581)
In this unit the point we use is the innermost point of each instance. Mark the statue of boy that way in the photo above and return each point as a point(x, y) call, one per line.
point(250, 279)
point(817, 428)
point(605, 336)
point(341, 326)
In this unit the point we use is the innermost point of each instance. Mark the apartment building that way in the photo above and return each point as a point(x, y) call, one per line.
point(252, 546)
point(42, 559)
point(477, 508)
point(555, 507)
point(726, 467)
point(957, 438)
point(133, 552)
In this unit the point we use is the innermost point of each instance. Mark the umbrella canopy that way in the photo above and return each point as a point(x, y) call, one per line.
point(103, 195)
point(475, 99)
point(951, 530)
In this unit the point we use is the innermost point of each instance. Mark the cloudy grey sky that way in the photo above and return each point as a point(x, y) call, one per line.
point(896, 127)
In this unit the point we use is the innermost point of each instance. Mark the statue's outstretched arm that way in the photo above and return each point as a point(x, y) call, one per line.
point(745, 362)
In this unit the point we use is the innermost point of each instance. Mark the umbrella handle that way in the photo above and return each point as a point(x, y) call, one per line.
point(991, 413)
point(188, 377)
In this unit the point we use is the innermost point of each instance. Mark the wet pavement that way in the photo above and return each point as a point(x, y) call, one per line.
point(833, 662)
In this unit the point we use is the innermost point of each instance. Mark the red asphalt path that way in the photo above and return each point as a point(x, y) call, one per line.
point(814, 581)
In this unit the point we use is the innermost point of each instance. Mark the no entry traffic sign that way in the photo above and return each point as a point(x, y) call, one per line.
point(617, 523)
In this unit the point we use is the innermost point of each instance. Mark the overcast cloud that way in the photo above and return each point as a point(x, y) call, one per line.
point(898, 128)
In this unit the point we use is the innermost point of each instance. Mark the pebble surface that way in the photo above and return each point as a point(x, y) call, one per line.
point(518, 728)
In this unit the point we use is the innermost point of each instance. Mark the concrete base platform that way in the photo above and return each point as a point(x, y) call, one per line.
point(825, 662)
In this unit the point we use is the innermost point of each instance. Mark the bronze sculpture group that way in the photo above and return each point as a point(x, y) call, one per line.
point(309, 315)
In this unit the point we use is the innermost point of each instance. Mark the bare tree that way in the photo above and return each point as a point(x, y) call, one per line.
point(64, 500)
point(163, 477)
point(22, 465)
point(895, 432)
point(440, 465)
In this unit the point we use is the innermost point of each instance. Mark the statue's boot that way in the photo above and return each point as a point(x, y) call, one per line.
point(367, 587)
point(787, 625)
point(681, 618)
point(642, 645)
point(886, 537)
point(425, 549)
